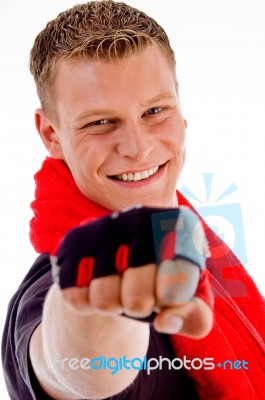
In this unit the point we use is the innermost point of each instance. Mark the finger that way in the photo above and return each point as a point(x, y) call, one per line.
point(193, 319)
point(177, 281)
point(77, 298)
point(104, 295)
point(138, 291)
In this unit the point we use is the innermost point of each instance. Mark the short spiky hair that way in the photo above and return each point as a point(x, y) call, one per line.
point(102, 29)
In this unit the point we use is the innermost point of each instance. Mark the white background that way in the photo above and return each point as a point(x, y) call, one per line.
point(219, 47)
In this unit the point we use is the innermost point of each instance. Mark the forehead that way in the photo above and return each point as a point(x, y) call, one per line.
point(151, 60)
point(135, 78)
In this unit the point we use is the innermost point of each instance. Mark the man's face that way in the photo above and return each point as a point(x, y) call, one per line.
point(120, 129)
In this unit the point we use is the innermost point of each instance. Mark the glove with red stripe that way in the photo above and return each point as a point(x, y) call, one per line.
point(171, 238)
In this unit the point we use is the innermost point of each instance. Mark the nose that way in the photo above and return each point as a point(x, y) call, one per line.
point(135, 141)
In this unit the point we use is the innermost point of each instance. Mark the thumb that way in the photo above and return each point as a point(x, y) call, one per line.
point(193, 319)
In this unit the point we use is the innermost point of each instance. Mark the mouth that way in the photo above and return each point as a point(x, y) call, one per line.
point(131, 177)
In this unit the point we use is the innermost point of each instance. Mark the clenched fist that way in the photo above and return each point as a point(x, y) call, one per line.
point(145, 263)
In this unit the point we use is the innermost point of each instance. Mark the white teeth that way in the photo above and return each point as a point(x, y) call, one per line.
point(150, 171)
point(144, 174)
point(138, 176)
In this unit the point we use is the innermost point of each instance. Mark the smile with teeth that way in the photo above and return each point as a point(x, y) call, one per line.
point(137, 176)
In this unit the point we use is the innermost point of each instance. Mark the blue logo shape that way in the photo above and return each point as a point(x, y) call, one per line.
point(224, 219)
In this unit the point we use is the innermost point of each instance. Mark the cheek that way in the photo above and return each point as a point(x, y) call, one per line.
point(83, 154)
point(175, 139)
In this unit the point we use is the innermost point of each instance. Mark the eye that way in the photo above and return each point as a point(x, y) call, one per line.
point(153, 110)
point(99, 122)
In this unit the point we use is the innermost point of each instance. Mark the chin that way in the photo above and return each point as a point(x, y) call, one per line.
point(159, 203)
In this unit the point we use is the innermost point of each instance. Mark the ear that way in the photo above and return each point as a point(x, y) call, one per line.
point(48, 134)
point(185, 123)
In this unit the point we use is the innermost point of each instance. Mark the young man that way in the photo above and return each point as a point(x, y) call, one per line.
point(111, 121)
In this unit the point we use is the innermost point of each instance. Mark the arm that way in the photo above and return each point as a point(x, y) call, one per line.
point(66, 332)
point(85, 321)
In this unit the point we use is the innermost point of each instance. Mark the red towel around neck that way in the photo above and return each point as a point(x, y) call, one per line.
point(239, 311)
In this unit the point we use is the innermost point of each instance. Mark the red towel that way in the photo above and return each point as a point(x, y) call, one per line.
point(239, 324)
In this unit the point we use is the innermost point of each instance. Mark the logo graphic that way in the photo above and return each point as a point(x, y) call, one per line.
point(185, 240)
point(224, 219)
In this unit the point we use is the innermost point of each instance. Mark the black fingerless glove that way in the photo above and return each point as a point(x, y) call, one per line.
point(131, 238)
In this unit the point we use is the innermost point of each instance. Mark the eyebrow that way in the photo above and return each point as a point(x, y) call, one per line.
point(105, 112)
point(162, 96)
point(97, 111)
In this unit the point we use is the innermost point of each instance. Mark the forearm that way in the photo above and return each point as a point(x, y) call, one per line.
point(67, 334)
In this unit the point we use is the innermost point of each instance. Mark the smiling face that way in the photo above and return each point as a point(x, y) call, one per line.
point(119, 129)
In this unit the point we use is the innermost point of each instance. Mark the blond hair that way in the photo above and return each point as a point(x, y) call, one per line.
point(102, 29)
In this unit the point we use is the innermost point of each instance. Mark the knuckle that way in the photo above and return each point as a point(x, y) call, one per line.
point(136, 305)
point(104, 295)
point(73, 296)
point(102, 306)
point(75, 299)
